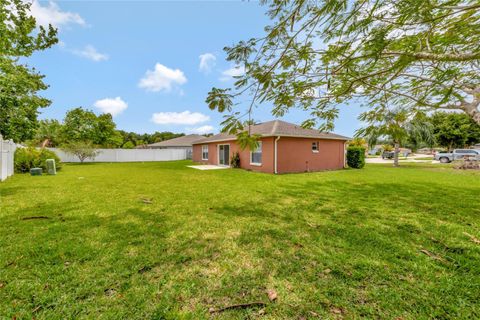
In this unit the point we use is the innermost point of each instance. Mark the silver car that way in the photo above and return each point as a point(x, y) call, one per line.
point(457, 154)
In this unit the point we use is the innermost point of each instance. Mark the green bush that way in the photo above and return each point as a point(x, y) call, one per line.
point(356, 157)
point(27, 158)
point(235, 161)
point(128, 145)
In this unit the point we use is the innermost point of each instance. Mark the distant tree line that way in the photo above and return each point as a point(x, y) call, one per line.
point(85, 128)
point(133, 139)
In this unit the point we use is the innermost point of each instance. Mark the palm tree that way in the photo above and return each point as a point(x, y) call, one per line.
point(420, 132)
point(48, 133)
point(398, 125)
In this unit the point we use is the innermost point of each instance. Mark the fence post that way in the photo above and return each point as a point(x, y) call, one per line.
point(8, 157)
point(1, 158)
point(11, 153)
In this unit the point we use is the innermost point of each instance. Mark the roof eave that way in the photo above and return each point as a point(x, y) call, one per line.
point(217, 140)
point(310, 137)
point(277, 135)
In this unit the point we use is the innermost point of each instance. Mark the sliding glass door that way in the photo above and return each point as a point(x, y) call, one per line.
point(224, 154)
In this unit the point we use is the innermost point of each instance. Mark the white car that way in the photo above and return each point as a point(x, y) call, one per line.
point(457, 154)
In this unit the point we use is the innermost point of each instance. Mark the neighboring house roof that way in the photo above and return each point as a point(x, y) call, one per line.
point(183, 141)
point(277, 128)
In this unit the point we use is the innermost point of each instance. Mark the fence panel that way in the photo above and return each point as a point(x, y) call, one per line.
point(127, 155)
point(7, 152)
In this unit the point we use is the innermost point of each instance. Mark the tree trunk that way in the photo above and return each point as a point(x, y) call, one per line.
point(395, 157)
point(473, 111)
point(476, 117)
point(472, 107)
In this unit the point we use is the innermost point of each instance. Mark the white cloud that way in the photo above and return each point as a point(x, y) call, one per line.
point(185, 117)
point(232, 72)
point(207, 62)
point(201, 130)
point(52, 14)
point(91, 53)
point(162, 78)
point(114, 106)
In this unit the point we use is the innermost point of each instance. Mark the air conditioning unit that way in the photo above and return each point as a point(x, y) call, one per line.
point(51, 169)
point(36, 171)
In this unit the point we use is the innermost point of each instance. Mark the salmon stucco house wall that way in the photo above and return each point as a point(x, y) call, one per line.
point(283, 148)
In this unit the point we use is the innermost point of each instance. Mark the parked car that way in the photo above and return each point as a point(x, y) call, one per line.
point(457, 154)
point(388, 154)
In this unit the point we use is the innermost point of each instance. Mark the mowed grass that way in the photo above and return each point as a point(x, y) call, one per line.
point(163, 241)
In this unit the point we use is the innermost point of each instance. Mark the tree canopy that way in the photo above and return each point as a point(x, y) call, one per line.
point(82, 125)
point(454, 130)
point(19, 84)
point(417, 54)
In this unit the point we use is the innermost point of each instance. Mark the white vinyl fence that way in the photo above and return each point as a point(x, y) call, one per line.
point(127, 155)
point(7, 151)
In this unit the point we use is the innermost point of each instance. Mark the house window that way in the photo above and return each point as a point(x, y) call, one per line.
point(205, 152)
point(256, 155)
point(315, 147)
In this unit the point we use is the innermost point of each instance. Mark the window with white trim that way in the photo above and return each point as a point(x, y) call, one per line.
point(315, 146)
point(256, 155)
point(205, 152)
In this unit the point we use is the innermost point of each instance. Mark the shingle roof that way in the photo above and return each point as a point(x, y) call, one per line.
point(183, 141)
point(276, 128)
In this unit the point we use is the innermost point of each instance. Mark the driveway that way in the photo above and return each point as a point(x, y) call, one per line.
point(380, 160)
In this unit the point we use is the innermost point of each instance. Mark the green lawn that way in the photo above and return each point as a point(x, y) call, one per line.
point(162, 241)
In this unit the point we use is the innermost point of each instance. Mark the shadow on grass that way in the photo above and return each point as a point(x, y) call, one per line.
point(365, 233)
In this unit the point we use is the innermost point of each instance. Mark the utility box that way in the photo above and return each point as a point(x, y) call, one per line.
point(51, 169)
point(36, 171)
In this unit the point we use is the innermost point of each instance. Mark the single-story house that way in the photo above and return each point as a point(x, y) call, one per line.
point(183, 142)
point(282, 148)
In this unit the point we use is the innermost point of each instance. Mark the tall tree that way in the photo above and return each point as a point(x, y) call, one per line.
point(82, 125)
point(19, 84)
point(454, 130)
point(107, 135)
point(419, 54)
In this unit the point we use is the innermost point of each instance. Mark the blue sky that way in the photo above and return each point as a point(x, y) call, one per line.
point(150, 63)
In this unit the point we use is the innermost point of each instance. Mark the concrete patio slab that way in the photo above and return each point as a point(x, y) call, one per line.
point(208, 167)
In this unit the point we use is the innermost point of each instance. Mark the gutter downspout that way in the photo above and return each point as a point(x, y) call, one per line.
point(345, 154)
point(276, 156)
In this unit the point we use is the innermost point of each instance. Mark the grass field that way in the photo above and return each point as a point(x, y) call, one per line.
point(162, 241)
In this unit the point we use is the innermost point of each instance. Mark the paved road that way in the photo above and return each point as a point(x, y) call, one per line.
point(380, 160)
